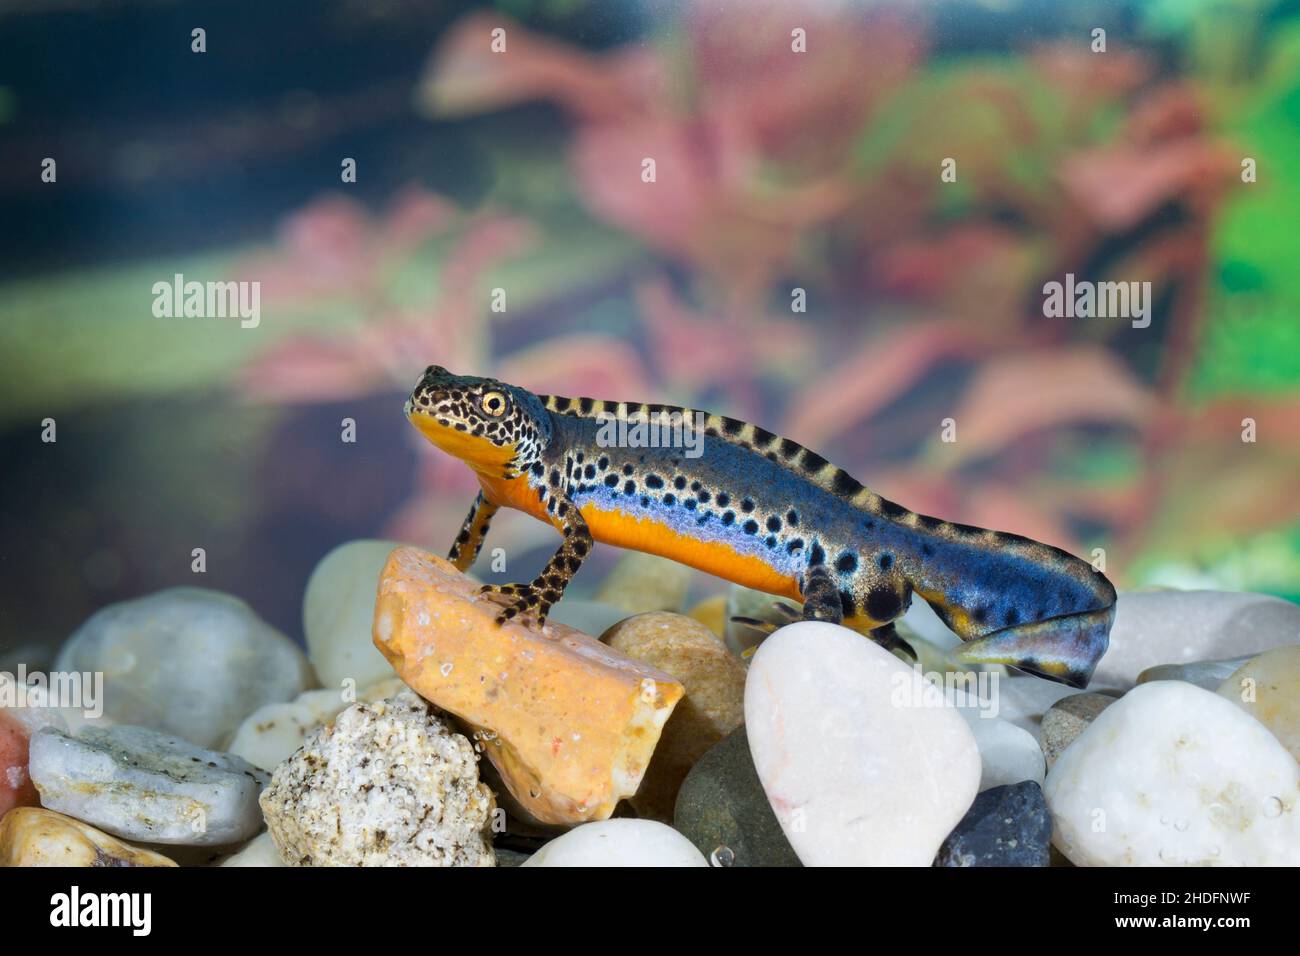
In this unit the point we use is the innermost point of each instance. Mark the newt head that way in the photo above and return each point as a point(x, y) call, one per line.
point(497, 429)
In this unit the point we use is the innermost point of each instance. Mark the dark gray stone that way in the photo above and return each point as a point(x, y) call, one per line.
point(1005, 826)
point(722, 809)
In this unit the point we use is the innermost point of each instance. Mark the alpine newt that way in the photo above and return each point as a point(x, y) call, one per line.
point(763, 512)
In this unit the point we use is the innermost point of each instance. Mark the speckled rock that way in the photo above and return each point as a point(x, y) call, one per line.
point(1268, 688)
point(188, 661)
point(30, 836)
point(387, 784)
point(338, 608)
point(1173, 775)
point(621, 842)
point(261, 851)
point(142, 785)
point(1067, 719)
point(1178, 627)
point(860, 763)
point(643, 582)
point(714, 704)
point(1005, 826)
point(1207, 674)
point(722, 809)
point(568, 722)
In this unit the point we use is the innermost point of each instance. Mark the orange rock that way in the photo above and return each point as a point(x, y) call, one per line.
point(16, 788)
point(569, 723)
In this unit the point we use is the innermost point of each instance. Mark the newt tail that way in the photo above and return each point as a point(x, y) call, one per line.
point(761, 511)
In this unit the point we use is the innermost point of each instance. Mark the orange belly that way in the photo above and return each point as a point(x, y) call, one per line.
point(610, 526)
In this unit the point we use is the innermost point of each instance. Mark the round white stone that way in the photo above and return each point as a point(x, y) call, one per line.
point(1171, 774)
point(621, 842)
point(1008, 754)
point(338, 611)
point(862, 759)
point(186, 661)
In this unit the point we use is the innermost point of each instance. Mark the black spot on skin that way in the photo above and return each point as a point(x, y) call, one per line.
point(645, 502)
point(794, 546)
point(696, 486)
point(846, 563)
point(750, 527)
point(679, 483)
point(774, 523)
point(629, 487)
point(731, 427)
point(789, 448)
point(590, 472)
point(762, 437)
point(980, 615)
point(817, 556)
point(868, 524)
point(724, 499)
point(538, 469)
point(581, 547)
point(688, 504)
point(627, 470)
point(891, 510)
point(555, 478)
point(883, 604)
point(929, 522)
point(770, 541)
point(886, 561)
point(728, 517)
point(845, 484)
point(704, 497)
point(581, 457)
point(603, 462)
point(1011, 618)
point(792, 518)
point(653, 481)
point(670, 500)
point(811, 461)
point(550, 505)
point(586, 405)
point(610, 480)
point(847, 604)
point(562, 404)
point(927, 551)
point(747, 505)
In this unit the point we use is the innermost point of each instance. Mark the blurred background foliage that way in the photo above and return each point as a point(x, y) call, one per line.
point(521, 171)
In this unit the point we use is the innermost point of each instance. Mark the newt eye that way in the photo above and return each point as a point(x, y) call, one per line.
point(493, 403)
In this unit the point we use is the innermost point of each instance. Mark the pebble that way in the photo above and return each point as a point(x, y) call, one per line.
point(142, 785)
point(723, 811)
point(569, 723)
point(1174, 775)
point(714, 704)
point(1067, 719)
point(1005, 826)
point(386, 784)
point(338, 611)
point(1268, 688)
point(260, 851)
point(712, 613)
point(642, 582)
point(1207, 674)
point(186, 661)
point(860, 762)
point(1008, 754)
point(1179, 627)
point(16, 787)
point(31, 836)
point(270, 734)
point(621, 842)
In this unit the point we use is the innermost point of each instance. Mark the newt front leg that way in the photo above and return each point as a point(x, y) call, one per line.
point(465, 549)
point(536, 598)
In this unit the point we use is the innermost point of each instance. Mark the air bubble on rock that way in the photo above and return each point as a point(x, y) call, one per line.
point(1272, 807)
point(445, 669)
point(722, 856)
